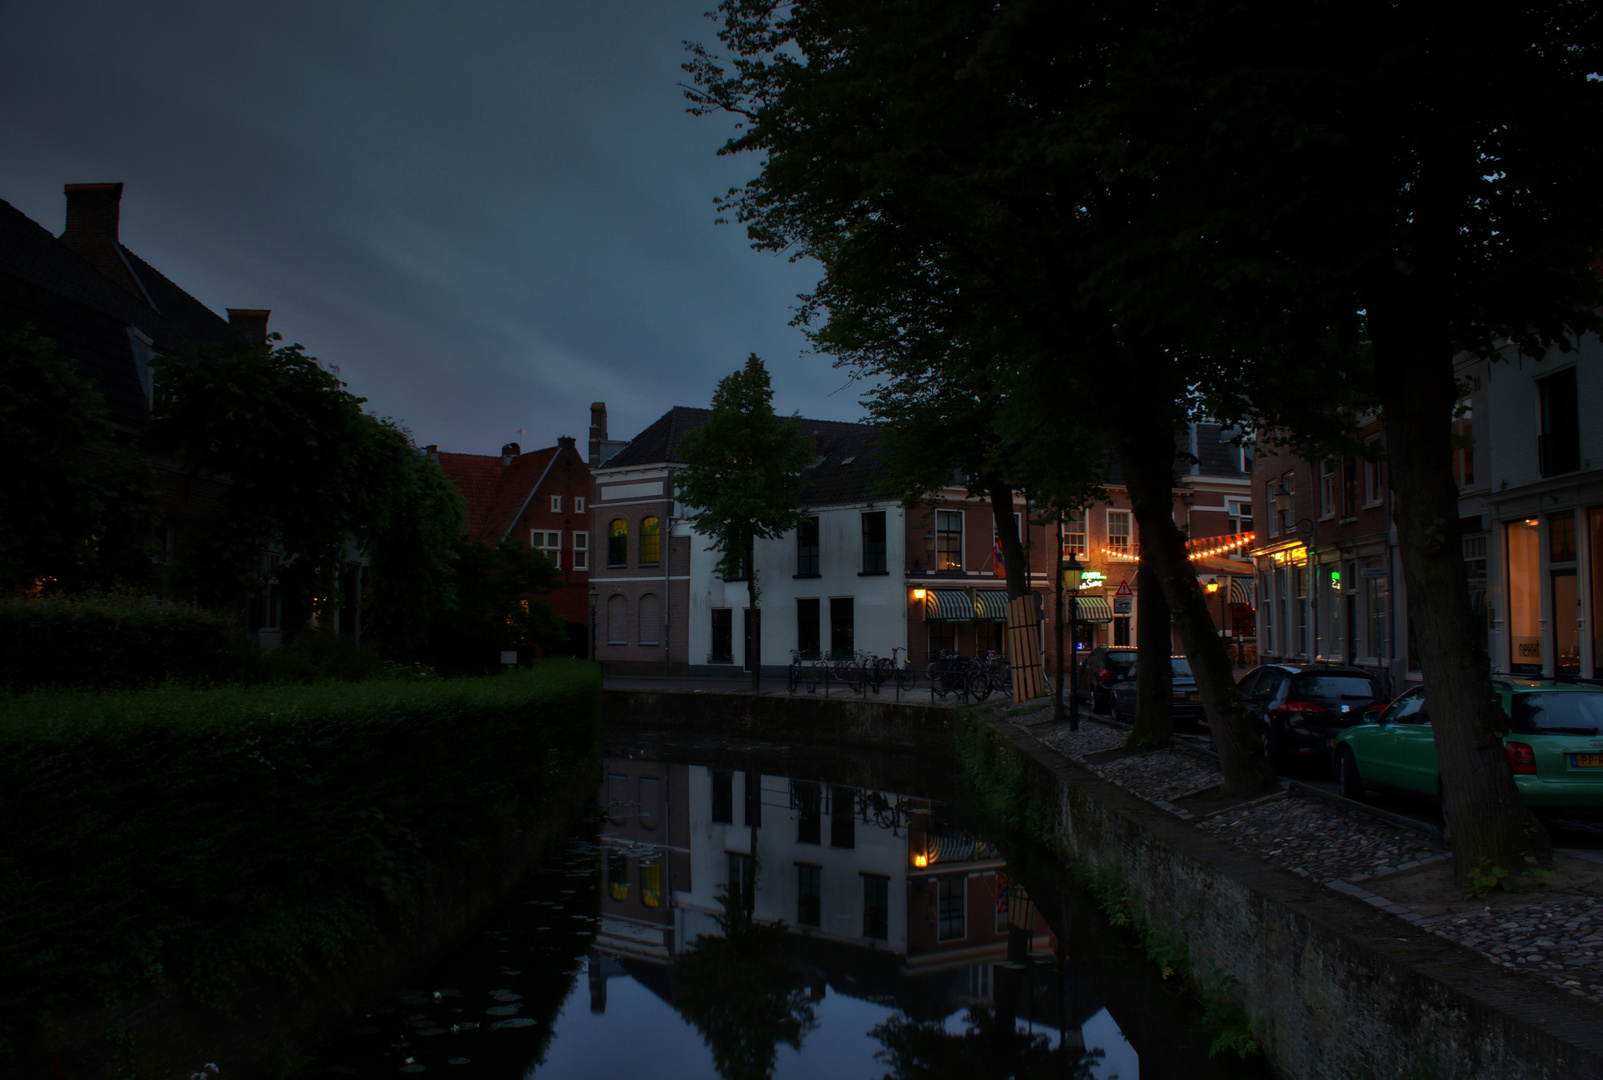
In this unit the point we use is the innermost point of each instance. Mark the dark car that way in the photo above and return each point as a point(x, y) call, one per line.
point(1103, 668)
point(1187, 702)
point(1301, 709)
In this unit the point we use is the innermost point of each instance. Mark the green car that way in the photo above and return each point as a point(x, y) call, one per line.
point(1554, 748)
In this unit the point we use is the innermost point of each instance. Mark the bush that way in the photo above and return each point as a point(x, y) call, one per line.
point(314, 655)
point(114, 641)
point(186, 836)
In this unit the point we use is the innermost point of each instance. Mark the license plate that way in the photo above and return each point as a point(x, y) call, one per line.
point(1587, 761)
point(1193, 697)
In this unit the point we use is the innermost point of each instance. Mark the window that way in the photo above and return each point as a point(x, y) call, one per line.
point(581, 551)
point(808, 893)
point(1299, 579)
point(650, 620)
point(1375, 600)
point(1372, 477)
point(618, 875)
point(556, 504)
point(951, 921)
point(1463, 444)
point(948, 539)
point(1349, 486)
point(651, 881)
point(807, 800)
point(1269, 507)
point(1524, 596)
point(650, 541)
point(1119, 532)
point(1558, 448)
point(841, 642)
point(741, 884)
point(618, 543)
point(1475, 570)
point(1327, 489)
point(1289, 518)
point(1074, 534)
point(807, 548)
point(578, 504)
point(723, 796)
point(1121, 631)
point(874, 542)
point(723, 636)
point(807, 628)
point(617, 620)
point(548, 544)
point(842, 817)
point(876, 906)
point(1266, 605)
point(1561, 538)
point(1240, 511)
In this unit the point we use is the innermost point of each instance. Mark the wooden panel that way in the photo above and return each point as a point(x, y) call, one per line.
point(1024, 648)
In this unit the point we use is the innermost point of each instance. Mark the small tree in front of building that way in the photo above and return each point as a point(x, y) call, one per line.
point(742, 479)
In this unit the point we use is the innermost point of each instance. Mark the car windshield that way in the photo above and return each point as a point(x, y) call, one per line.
point(1119, 661)
point(1333, 688)
point(1180, 668)
point(1561, 713)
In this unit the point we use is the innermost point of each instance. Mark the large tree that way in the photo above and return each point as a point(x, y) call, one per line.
point(742, 481)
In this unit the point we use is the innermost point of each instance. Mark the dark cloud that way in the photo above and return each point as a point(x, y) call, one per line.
point(487, 215)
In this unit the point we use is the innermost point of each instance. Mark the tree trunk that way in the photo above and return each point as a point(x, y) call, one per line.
point(1154, 682)
point(756, 619)
point(1146, 453)
point(1007, 531)
point(1488, 824)
point(1057, 607)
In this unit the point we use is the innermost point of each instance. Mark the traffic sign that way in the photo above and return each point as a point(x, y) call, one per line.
point(1124, 588)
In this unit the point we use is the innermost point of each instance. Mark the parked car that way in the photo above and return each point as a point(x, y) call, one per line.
point(1300, 709)
point(1554, 748)
point(1104, 667)
point(1187, 702)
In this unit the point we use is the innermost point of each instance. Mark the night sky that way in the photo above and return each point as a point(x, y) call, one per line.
point(485, 215)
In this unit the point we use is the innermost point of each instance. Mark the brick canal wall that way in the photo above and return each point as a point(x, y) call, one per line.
point(1343, 990)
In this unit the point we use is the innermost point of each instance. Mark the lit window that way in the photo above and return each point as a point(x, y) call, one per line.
point(651, 881)
point(617, 876)
point(1119, 532)
point(1074, 534)
point(948, 540)
point(650, 542)
point(618, 543)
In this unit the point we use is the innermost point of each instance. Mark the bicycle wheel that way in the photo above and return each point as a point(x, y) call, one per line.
point(882, 670)
point(933, 674)
point(906, 678)
point(979, 687)
point(795, 675)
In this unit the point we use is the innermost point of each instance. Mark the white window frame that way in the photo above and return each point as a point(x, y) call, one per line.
point(578, 504)
point(1327, 489)
point(556, 504)
point(1075, 534)
point(1373, 493)
point(581, 550)
point(962, 526)
point(541, 541)
point(1128, 533)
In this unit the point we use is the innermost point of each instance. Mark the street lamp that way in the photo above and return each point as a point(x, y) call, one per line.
point(1070, 574)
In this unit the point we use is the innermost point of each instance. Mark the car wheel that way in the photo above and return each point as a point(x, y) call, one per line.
point(1352, 784)
point(1114, 713)
point(1270, 749)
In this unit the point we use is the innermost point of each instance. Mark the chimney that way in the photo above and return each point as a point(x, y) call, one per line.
point(598, 431)
point(510, 451)
point(93, 215)
point(250, 323)
point(565, 440)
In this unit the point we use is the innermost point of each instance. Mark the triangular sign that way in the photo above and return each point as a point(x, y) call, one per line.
point(1124, 588)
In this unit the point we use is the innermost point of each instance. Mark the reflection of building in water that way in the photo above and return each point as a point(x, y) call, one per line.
point(895, 900)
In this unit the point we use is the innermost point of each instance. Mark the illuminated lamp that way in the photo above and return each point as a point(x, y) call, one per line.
point(919, 594)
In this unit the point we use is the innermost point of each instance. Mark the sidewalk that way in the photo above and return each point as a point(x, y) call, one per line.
point(1554, 933)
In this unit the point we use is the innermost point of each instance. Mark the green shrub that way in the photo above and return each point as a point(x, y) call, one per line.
point(314, 655)
point(189, 835)
point(114, 641)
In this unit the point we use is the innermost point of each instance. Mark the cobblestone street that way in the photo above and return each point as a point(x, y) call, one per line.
point(1555, 933)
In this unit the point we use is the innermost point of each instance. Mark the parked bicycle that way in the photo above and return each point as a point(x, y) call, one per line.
point(992, 675)
point(905, 674)
point(950, 674)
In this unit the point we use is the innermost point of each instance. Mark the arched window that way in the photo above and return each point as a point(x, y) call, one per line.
point(650, 541)
point(617, 620)
point(650, 620)
point(618, 543)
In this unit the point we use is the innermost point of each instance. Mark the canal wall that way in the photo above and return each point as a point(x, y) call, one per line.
point(841, 721)
point(1336, 989)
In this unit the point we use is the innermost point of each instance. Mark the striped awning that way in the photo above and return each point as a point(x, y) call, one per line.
point(1092, 609)
point(990, 605)
point(1241, 591)
point(948, 605)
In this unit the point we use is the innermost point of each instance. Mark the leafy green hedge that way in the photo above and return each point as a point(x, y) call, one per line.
point(189, 835)
point(116, 641)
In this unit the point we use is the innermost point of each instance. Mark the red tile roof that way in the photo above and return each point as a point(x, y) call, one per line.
point(496, 492)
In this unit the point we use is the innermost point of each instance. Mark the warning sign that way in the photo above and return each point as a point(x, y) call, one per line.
point(1124, 588)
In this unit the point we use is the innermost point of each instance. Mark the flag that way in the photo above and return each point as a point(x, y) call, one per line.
point(1001, 565)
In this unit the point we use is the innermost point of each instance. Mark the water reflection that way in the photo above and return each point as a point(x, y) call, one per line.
point(720, 920)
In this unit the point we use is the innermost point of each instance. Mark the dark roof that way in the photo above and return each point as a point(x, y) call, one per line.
point(1216, 454)
point(847, 467)
point(48, 286)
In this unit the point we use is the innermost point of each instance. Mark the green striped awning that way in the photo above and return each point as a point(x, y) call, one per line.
point(990, 605)
point(1091, 609)
point(1241, 591)
point(948, 605)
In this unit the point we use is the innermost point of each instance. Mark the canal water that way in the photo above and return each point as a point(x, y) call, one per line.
point(751, 910)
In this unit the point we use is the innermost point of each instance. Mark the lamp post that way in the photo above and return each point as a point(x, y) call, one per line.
point(1070, 574)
